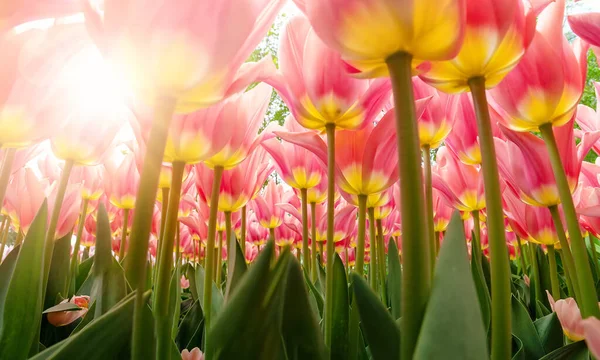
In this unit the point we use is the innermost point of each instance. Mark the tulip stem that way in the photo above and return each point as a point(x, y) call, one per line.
point(553, 272)
point(476, 241)
point(568, 263)
point(535, 269)
point(373, 249)
point(594, 254)
point(500, 265)
point(313, 242)
point(243, 231)
point(416, 277)
point(165, 266)
point(7, 165)
point(135, 264)
point(228, 232)
point(219, 262)
point(305, 254)
point(381, 257)
point(589, 301)
point(522, 258)
point(209, 252)
point(124, 234)
point(72, 275)
point(50, 235)
point(429, 204)
point(3, 237)
point(437, 242)
point(328, 321)
point(570, 285)
point(359, 268)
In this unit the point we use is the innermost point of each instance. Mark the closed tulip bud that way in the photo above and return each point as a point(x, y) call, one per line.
point(62, 318)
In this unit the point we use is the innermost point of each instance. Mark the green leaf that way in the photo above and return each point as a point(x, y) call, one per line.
point(320, 302)
point(523, 328)
point(21, 311)
point(83, 272)
point(199, 277)
point(300, 330)
point(87, 318)
point(483, 294)
point(59, 269)
point(174, 301)
point(190, 274)
point(550, 332)
point(394, 281)
point(574, 351)
point(341, 314)
point(104, 338)
point(189, 334)
point(379, 328)
point(519, 354)
point(236, 268)
point(7, 268)
point(248, 325)
point(109, 285)
point(453, 326)
point(68, 306)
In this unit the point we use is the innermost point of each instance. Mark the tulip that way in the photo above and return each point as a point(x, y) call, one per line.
point(268, 214)
point(588, 119)
point(184, 283)
point(587, 198)
point(586, 26)
point(569, 315)
point(591, 332)
point(16, 13)
point(195, 354)
point(69, 211)
point(62, 318)
point(123, 180)
point(25, 196)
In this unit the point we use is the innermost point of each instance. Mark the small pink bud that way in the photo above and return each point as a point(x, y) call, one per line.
point(62, 318)
point(195, 354)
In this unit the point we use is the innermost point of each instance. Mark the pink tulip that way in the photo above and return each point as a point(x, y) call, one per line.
point(366, 33)
point(62, 318)
point(588, 119)
point(314, 83)
point(13, 13)
point(530, 223)
point(196, 226)
point(587, 198)
point(238, 185)
point(569, 316)
point(50, 167)
point(69, 211)
point(318, 194)
point(442, 213)
point(195, 354)
point(24, 196)
point(539, 91)
point(184, 283)
point(265, 207)
point(24, 156)
point(586, 26)
point(365, 160)
point(437, 119)
point(591, 332)
point(256, 233)
point(91, 179)
point(535, 182)
point(497, 34)
point(123, 181)
point(179, 50)
point(251, 252)
point(460, 184)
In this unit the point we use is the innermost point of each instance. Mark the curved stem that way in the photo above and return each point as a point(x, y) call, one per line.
point(243, 231)
point(568, 263)
point(416, 277)
point(313, 242)
point(373, 247)
point(124, 234)
point(381, 257)
point(589, 301)
point(7, 165)
point(165, 266)
point(135, 264)
point(209, 252)
point(75, 259)
point(429, 205)
point(328, 321)
point(305, 253)
point(500, 264)
point(553, 272)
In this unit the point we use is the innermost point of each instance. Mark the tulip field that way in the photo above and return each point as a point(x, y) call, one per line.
point(299, 179)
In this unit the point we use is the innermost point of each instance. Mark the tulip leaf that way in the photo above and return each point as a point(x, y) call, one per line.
point(236, 267)
point(190, 274)
point(249, 322)
point(83, 272)
point(300, 329)
point(199, 277)
point(21, 309)
point(517, 344)
point(59, 269)
point(174, 301)
point(67, 306)
point(574, 351)
point(109, 285)
point(394, 281)
point(453, 325)
point(379, 328)
point(189, 334)
point(316, 295)
point(105, 337)
point(483, 294)
point(341, 307)
point(87, 318)
point(550, 332)
point(523, 328)
point(7, 268)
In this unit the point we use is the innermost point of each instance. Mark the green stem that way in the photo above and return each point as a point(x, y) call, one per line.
point(219, 261)
point(163, 222)
point(20, 236)
point(570, 286)
point(165, 266)
point(75, 260)
point(135, 264)
point(437, 242)
point(328, 321)
point(7, 165)
point(305, 253)
point(243, 231)
point(124, 234)
point(500, 263)
point(228, 230)
point(429, 205)
point(476, 242)
point(535, 269)
point(374, 254)
point(3, 236)
point(589, 301)
point(593, 253)
point(522, 259)
point(567, 256)
point(359, 267)
point(313, 242)
point(553, 272)
point(381, 257)
point(416, 277)
point(209, 253)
